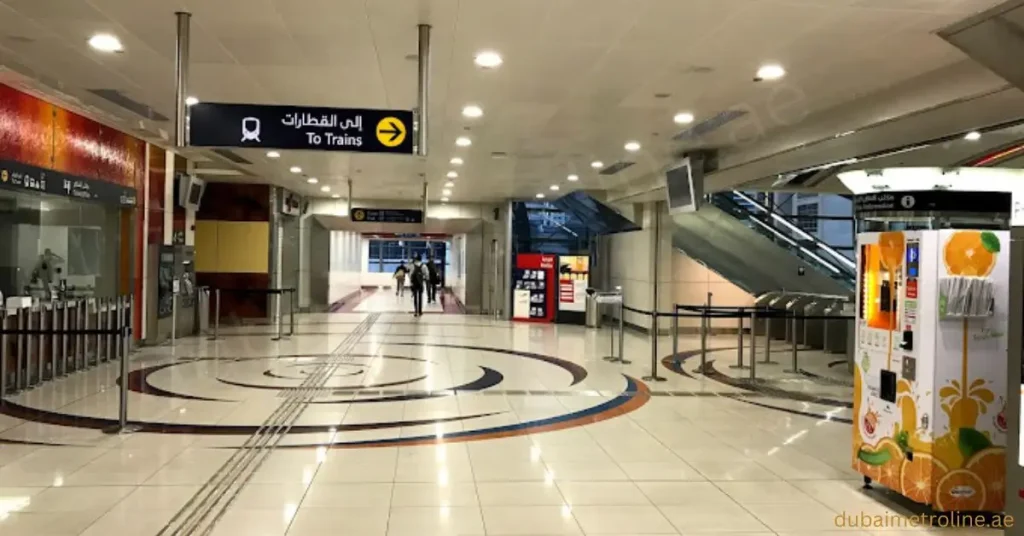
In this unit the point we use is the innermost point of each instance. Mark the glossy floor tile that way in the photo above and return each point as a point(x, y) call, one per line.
point(376, 423)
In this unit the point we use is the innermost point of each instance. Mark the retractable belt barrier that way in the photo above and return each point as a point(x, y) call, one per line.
point(707, 312)
point(277, 293)
point(50, 340)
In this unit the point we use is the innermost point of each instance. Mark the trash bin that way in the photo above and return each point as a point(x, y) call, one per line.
point(203, 309)
point(593, 311)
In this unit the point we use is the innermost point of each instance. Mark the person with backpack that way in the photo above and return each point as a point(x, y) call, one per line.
point(418, 277)
point(435, 279)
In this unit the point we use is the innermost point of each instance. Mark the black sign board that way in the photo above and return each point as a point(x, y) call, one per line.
point(300, 128)
point(934, 201)
point(386, 215)
point(25, 178)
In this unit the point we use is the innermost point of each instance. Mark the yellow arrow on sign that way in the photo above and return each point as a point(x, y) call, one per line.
point(391, 132)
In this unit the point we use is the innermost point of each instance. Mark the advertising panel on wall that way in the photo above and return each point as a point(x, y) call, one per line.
point(533, 294)
point(573, 280)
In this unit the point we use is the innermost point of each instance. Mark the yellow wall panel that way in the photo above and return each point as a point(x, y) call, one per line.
point(243, 247)
point(206, 245)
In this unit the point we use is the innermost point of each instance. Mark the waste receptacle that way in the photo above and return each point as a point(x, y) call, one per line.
point(593, 311)
point(203, 309)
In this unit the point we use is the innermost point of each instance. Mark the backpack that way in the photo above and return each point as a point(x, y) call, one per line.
point(417, 276)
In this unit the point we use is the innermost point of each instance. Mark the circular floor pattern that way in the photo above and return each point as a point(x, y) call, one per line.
point(351, 386)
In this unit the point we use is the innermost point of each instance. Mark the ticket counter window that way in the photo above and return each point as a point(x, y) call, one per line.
point(56, 247)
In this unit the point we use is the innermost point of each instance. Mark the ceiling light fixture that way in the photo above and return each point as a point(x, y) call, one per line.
point(312, 180)
point(573, 178)
point(446, 192)
point(632, 146)
point(770, 72)
point(444, 199)
point(106, 43)
point(325, 188)
point(273, 154)
point(488, 59)
point(463, 141)
point(336, 196)
point(472, 111)
point(683, 118)
point(295, 169)
point(455, 161)
point(540, 196)
point(453, 175)
point(449, 184)
point(973, 136)
point(597, 164)
point(554, 188)
point(191, 101)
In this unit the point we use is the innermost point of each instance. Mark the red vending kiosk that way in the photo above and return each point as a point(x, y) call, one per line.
point(533, 288)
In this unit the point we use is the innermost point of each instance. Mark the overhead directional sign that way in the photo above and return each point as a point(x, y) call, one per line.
point(301, 128)
point(387, 215)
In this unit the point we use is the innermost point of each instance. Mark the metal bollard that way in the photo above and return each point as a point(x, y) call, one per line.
point(22, 362)
point(795, 369)
point(122, 341)
point(654, 350)
point(3, 352)
point(753, 345)
point(120, 324)
point(739, 342)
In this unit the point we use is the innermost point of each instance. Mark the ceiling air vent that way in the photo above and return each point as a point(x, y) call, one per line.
point(616, 168)
point(116, 97)
point(499, 155)
point(709, 125)
point(231, 156)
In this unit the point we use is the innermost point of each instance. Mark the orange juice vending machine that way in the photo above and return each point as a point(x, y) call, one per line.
point(929, 400)
point(1015, 377)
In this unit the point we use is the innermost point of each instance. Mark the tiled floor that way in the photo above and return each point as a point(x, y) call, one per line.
point(448, 425)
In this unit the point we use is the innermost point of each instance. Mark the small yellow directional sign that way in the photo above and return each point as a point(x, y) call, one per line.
point(391, 132)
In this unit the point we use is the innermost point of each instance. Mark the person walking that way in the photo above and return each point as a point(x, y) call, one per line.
point(418, 278)
point(435, 279)
point(400, 280)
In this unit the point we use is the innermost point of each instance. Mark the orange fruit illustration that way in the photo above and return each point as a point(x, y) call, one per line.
point(916, 477)
point(990, 465)
point(960, 491)
point(966, 254)
point(881, 462)
point(892, 245)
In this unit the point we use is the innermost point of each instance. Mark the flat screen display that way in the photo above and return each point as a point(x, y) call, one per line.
point(685, 186)
point(195, 193)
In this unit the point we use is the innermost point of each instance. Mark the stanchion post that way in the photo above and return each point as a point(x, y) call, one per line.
point(704, 339)
point(216, 314)
point(675, 331)
point(54, 322)
point(40, 358)
point(122, 340)
point(753, 344)
point(277, 314)
point(654, 350)
point(768, 338)
point(291, 313)
point(739, 340)
point(622, 331)
point(3, 352)
point(795, 368)
point(64, 338)
point(174, 314)
point(22, 363)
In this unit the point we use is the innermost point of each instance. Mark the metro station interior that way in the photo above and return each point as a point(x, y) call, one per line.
point(511, 267)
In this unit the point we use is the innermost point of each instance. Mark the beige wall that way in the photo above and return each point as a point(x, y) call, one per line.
point(691, 284)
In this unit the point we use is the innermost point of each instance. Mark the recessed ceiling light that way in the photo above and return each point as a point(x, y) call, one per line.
point(488, 59)
point(325, 188)
point(273, 154)
point(463, 141)
point(449, 184)
point(455, 161)
point(573, 178)
point(446, 192)
point(191, 101)
point(554, 188)
point(770, 72)
point(683, 118)
point(336, 196)
point(444, 199)
point(973, 136)
point(453, 175)
point(472, 111)
point(540, 196)
point(632, 146)
point(312, 180)
point(597, 164)
point(106, 43)
point(295, 169)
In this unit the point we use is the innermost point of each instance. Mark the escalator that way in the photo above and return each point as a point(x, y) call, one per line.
point(760, 251)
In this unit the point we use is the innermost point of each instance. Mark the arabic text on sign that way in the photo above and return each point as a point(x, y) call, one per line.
point(300, 120)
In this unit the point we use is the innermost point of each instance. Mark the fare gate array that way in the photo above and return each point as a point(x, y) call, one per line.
point(51, 340)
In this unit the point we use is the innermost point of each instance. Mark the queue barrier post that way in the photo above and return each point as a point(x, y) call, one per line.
point(795, 367)
point(768, 338)
point(3, 353)
point(675, 332)
point(753, 344)
point(739, 341)
point(654, 350)
point(216, 314)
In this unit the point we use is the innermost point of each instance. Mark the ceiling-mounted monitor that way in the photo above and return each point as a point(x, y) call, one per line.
point(684, 185)
point(190, 191)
